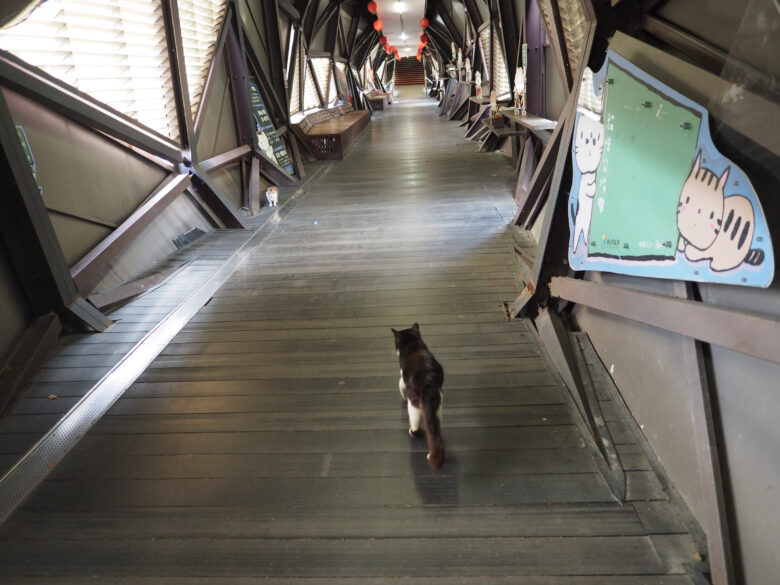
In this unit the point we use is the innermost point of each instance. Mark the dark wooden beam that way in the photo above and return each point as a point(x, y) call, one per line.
point(29, 354)
point(440, 37)
point(320, 92)
point(178, 72)
point(216, 60)
point(309, 19)
point(508, 22)
point(290, 10)
point(341, 37)
point(364, 44)
point(474, 13)
point(226, 158)
point(273, 42)
point(705, 54)
point(331, 32)
point(570, 365)
point(449, 23)
point(558, 43)
point(32, 244)
point(715, 522)
point(748, 333)
point(530, 200)
point(87, 271)
point(276, 104)
point(252, 192)
point(122, 293)
point(325, 18)
point(352, 35)
point(206, 191)
point(240, 86)
point(81, 108)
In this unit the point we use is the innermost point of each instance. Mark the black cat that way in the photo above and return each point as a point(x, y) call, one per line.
point(421, 386)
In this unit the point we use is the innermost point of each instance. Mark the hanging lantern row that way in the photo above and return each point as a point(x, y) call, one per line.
point(391, 49)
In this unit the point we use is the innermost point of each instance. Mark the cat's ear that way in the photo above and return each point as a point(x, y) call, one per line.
point(696, 164)
point(395, 333)
point(416, 327)
point(723, 179)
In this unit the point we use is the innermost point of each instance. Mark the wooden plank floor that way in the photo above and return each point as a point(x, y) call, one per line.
point(267, 442)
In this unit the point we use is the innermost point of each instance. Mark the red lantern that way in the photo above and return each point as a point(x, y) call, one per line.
point(397, 57)
point(383, 40)
point(424, 23)
point(371, 6)
point(424, 39)
point(419, 57)
point(377, 25)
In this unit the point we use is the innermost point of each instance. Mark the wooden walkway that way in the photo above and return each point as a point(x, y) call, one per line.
point(267, 443)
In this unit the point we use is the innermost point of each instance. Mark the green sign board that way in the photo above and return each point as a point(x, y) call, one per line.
point(267, 139)
point(647, 152)
point(26, 147)
point(651, 194)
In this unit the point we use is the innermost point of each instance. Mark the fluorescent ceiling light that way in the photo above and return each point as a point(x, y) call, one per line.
point(404, 36)
point(399, 7)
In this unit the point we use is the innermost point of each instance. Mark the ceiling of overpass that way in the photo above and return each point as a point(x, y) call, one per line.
point(401, 20)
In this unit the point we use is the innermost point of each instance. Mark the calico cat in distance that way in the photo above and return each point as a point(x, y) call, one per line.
point(421, 387)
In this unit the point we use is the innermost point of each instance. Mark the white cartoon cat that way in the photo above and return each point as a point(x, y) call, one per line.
point(588, 148)
point(712, 226)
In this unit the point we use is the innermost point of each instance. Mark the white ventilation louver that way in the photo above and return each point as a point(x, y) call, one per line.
point(200, 22)
point(113, 50)
point(321, 69)
point(295, 90)
point(484, 40)
point(499, 74)
point(311, 98)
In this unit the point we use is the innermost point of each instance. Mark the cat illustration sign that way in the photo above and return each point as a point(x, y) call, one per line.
point(651, 195)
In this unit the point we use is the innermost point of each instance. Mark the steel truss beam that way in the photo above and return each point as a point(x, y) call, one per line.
point(81, 108)
point(92, 266)
point(449, 23)
point(178, 71)
point(32, 244)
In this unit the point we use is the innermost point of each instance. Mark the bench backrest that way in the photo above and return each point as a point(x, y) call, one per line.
point(311, 120)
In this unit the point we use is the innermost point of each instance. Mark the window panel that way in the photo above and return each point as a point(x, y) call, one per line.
point(200, 22)
point(311, 98)
point(500, 75)
point(113, 50)
point(484, 39)
point(333, 92)
point(321, 69)
point(574, 26)
point(295, 90)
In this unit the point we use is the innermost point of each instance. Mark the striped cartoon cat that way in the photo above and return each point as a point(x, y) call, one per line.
point(712, 226)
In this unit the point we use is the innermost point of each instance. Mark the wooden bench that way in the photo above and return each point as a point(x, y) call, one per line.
point(378, 100)
point(329, 133)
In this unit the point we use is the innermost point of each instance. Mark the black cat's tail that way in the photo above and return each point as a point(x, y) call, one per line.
point(431, 403)
point(754, 257)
